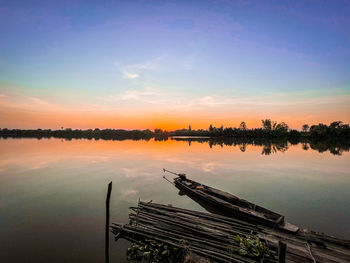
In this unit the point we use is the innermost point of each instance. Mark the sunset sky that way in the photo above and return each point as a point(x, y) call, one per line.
point(168, 64)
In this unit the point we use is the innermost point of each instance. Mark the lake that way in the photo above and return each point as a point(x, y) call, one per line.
point(52, 191)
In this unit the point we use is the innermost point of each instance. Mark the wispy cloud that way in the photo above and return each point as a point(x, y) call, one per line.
point(176, 101)
point(135, 71)
point(159, 64)
point(152, 64)
point(144, 96)
point(28, 102)
point(171, 101)
point(129, 75)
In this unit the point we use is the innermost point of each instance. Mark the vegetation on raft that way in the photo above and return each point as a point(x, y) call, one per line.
point(153, 251)
point(252, 246)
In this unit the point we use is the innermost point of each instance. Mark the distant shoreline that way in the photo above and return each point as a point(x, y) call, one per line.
point(334, 138)
point(270, 130)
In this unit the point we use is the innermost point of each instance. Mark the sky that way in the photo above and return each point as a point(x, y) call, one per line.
point(170, 64)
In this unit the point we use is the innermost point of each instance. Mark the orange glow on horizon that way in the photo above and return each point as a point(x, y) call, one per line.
point(33, 120)
point(25, 112)
point(55, 119)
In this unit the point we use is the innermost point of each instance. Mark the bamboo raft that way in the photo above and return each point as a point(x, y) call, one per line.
point(214, 236)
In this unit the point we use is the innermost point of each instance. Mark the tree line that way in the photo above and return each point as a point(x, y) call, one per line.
point(269, 130)
point(272, 129)
point(68, 133)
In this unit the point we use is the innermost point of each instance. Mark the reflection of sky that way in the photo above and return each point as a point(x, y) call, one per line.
point(53, 191)
point(139, 64)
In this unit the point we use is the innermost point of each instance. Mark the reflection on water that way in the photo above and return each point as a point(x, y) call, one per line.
point(52, 192)
point(335, 147)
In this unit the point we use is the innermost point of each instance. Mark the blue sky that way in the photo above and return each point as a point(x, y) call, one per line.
point(198, 56)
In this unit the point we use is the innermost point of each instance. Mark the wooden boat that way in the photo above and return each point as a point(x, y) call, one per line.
point(232, 205)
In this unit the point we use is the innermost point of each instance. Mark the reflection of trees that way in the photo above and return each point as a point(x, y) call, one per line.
point(274, 137)
point(273, 146)
point(334, 147)
point(282, 146)
point(305, 146)
point(243, 147)
point(269, 148)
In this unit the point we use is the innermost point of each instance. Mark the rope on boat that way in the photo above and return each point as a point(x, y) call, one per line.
point(168, 180)
point(165, 170)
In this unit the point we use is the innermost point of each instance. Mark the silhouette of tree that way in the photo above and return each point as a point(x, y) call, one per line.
point(335, 125)
point(282, 127)
point(221, 129)
point(243, 126)
point(267, 124)
point(305, 128)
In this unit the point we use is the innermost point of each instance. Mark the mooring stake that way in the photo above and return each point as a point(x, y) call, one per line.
point(107, 223)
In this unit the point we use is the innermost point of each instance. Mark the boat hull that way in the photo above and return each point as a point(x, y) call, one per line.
point(268, 218)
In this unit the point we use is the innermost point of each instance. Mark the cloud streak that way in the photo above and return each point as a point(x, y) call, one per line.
point(129, 75)
point(182, 101)
point(149, 107)
point(135, 71)
point(159, 64)
point(170, 100)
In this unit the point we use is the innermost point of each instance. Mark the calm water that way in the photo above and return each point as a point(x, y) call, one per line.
point(52, 192)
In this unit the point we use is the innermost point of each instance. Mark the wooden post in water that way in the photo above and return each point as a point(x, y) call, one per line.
point(107, 223)
point(282, 248)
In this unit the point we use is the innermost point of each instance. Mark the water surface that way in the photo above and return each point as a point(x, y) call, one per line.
point(52, 192)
